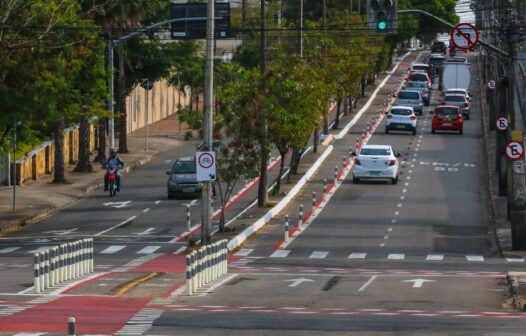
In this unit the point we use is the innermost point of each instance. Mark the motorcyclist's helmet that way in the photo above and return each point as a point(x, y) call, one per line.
point(113, 152)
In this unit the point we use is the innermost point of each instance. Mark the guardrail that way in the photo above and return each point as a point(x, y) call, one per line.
point(62, 263)
point(206, 265)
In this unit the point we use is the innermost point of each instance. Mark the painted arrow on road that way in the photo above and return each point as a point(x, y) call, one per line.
point(417, 283)
point(145, 232)
point(297, 282)
point(118, 205)
point(61, 232)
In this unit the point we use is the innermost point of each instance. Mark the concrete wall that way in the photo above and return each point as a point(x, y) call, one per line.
point(4, 169)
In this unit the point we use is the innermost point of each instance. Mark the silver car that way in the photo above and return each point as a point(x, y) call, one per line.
point(410, 98)
point(459, 100)
point(420, 87)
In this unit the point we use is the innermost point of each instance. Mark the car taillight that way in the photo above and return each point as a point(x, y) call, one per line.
point(413, 118)
point(389, 116)
point(459, 116)
point(392, 162)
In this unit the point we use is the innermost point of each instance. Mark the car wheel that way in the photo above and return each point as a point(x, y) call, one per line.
point(355, 180)
point(395, 180)
point(467, 116)
point(433, 131)
point(386, 130)
point(414, 131)
point(461, 131)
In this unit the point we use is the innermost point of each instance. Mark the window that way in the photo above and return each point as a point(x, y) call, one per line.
point(408, 95)
point(404, 112)
point(184, 167)
point(446, 112)
point(455, 99)
point(375, 151)
point(418, 85)
point(418, 77)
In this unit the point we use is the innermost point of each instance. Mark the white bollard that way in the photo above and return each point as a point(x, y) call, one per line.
point(60, 263)
point(46, 269)
point(91, 250)
point(41, 270)
point(287, 237)
point(300, 218)
point(36, 272)
point(188, 219)
point(335, 175)
point(69, 262)
point(189, 277)
point(313, 203)
point(77, 258)
point(324, 195)
point(344, 162)
point(52, 267)
point(200, 266)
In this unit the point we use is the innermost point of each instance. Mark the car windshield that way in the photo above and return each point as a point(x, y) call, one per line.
point(404, 112)
point(446, 112)
point(419, 77)
point(420, 67)
point(455, 98)
point(419, 85)
point(457, 92)
point(184, 167)
point(375, 151)
point(435, 61)
point(408, 95)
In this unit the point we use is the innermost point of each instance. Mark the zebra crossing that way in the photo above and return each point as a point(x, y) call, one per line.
point(141, 322)
point(101, 249)
point(282, 253)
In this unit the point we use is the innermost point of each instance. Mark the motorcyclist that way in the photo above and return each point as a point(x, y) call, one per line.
point(113, 162)
point(452, 49)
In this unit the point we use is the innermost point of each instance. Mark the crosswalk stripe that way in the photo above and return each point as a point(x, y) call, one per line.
point(515, 260)
point(394, 256)
point(41, 249)
point(148, 250)
point(9, 249)
point(318, 254)
point(244, 252)
point(474, 258)
point(435, 257)
point(280, 254)
point(357, 255)
point(113, 249)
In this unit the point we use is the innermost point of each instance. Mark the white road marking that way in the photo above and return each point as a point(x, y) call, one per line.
point(319, 254)
point(382, 244)
point(41, 249)
point(280, 254)
point(357, 256)
point(29, 334)
point(435, 257)
point(390, 229)
point(394, 256)
point(157, 202)
point(145, 232)
point(402, 198)
point(519, 260)
point(397, 213)
point(244, 252)
point(9, 249)
point(409, 177)
point(113, 249)
point(386, 237)
point(116, 226)
point(148, 249)
point(399, 205)
point(146, 210)
point(364, 286)
point(406, 184)
point(474, 258)
point(410, 171)
point(393, 221)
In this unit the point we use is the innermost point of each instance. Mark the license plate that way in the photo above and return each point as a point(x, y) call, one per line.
point(400, 126)
point(189, 190)
point(374, 173)
point(446, 124)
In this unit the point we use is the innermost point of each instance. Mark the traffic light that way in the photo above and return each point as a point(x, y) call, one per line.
point(382, 15)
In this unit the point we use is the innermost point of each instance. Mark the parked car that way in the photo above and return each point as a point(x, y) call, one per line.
point(182, 182)
point(439, 47)
point(376, 162)
point(459, 100)
point(421, 87)
point(447, 118)
point(401, 118)
point(410, 98)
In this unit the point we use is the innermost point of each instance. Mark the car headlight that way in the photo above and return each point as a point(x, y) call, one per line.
point(173, 183)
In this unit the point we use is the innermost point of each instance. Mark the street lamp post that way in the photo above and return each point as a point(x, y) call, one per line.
point(147, 85)
point(17, 123)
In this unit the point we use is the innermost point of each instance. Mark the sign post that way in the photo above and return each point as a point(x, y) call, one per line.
point(465, 36)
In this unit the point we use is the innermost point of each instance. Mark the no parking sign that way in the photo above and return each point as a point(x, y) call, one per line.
point(514, 150)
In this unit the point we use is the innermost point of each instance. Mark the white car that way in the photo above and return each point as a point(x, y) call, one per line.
point(457, 91)
point(400, 118)
point(376, 162)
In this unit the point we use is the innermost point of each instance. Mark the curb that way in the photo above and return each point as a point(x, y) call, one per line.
point(517, 299)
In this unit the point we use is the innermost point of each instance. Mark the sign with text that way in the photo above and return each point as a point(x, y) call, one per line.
point(191, 30)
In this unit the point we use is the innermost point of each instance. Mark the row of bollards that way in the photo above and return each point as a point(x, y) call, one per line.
point(62, 263)
point(206, 265)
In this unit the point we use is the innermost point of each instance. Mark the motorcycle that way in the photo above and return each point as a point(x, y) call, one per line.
point(112, 174)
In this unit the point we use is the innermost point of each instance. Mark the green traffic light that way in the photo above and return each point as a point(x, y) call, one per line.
point(382, 25)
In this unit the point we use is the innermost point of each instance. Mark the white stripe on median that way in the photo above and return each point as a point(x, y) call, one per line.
point(116, 226)
point(148, 249)
point(113, 249)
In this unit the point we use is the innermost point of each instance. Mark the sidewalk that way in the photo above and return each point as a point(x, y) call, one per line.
point(36, 199)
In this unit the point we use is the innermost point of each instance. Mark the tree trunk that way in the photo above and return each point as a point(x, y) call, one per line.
point(346, 105)
point(294, 162)
point(337, 119)
point(281, 168)
point(263, 178)
point(101, 149)
point(58, 134)
point(316, 140)
point(363, 87)
point(326, 125)
point(84, 164)
point(121, 104)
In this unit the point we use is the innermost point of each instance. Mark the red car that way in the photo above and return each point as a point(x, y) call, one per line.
point(447, 118)
point(420, 76)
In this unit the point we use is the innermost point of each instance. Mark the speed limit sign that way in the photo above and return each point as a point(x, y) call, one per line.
point(502, 123)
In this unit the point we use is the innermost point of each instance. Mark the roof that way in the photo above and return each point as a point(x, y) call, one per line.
point(401, 107)
point(454, 95)
point(456, 89)
point(186, 158)
point(377, 146)
point(420, 64)
point(447, 106)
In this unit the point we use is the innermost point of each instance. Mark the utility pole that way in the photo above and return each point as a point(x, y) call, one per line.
point(263, 177)
point(111, 105)
point(208, 120)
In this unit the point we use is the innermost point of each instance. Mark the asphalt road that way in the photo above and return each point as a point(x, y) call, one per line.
point(414, 258)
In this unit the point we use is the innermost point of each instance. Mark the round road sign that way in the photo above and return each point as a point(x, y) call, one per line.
point(464, 36)
point(491, 84)
point(206, 160)
point(514, 150)
point(502, 123)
